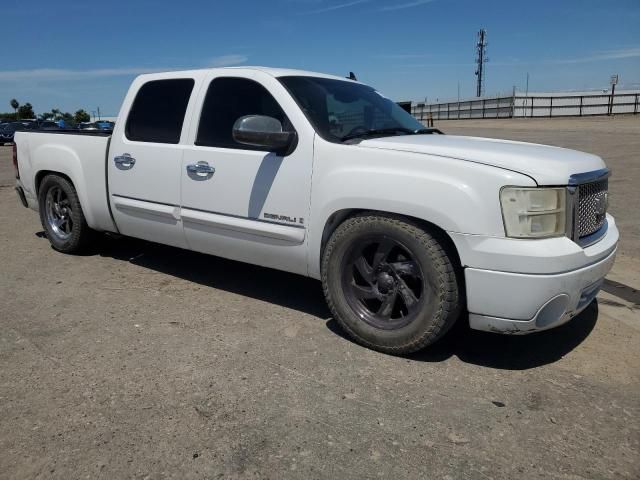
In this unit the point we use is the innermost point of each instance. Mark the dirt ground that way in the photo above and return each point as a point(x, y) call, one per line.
point(144, 361)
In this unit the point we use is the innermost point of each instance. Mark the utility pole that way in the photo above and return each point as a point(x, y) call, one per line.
point(481, 50)
point(99, 118)
point(614, 82)
point(526, 95)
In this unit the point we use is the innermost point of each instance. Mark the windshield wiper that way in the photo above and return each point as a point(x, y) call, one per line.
point(428, 130)
point(389, 131)
point(378, 131)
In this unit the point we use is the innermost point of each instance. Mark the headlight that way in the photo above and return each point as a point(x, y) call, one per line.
point(533, 212)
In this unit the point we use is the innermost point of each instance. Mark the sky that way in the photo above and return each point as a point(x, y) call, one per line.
point(71, 54)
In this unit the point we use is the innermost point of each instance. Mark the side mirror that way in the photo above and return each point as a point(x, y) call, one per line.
point(265, 132)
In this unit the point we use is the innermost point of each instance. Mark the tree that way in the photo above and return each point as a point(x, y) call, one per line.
point(67, 118)
point(81, 116)
point(15, 104)
point(26, 111)
point(54, 115)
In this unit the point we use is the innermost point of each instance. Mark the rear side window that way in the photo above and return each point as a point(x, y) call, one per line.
point(158, 111)
point(226, 101)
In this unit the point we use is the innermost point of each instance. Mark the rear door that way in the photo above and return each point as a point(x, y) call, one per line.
point(145, 158)
point(245, 203)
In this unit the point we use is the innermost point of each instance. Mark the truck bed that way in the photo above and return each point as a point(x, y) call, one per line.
point(74, 131)
point(81, 156)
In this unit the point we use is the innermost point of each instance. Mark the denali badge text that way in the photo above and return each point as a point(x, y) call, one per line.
point(284, 218)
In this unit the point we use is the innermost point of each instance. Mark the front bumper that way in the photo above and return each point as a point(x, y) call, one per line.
point(532, 290)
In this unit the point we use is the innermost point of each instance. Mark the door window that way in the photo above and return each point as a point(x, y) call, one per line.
point(226, 101)
point(157, 113)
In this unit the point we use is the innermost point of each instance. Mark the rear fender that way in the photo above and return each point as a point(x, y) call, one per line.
point(63, 160)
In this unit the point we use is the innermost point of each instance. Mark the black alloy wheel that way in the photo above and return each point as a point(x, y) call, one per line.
point(383, 282)
point(391, 283)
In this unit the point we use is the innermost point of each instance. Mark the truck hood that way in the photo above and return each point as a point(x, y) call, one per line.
point(547, 165)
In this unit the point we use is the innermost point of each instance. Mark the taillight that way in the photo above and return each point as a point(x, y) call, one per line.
point(15, 160)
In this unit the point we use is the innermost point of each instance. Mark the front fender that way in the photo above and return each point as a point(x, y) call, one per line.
point(455, 195)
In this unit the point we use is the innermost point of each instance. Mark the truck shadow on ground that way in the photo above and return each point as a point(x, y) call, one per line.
point(305, 295)
point(512, 352)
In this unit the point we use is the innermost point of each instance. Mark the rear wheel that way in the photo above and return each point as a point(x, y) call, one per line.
point(389, 283)
point(61, 215)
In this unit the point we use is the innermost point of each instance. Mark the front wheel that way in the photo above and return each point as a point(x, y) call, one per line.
point(389, 283)
point(61, 215)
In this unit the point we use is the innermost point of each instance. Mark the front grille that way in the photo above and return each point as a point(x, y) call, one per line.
point(592, 207)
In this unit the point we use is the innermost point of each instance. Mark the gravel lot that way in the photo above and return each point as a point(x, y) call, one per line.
point(144, 361)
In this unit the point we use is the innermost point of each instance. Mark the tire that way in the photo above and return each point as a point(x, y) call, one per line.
point(61, 215)
point(401, 304)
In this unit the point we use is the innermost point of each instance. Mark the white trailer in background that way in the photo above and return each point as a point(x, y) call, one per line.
point(532, 105)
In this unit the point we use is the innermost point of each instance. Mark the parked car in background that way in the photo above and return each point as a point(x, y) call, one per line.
point(87, 126)
point(6, 134)
point(105, 125)
point(28, 123)
point(48, 125)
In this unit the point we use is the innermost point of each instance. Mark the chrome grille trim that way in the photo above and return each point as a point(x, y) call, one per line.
point(584, 242)
point(591, 206)
point(588, 177)
point(584, 225)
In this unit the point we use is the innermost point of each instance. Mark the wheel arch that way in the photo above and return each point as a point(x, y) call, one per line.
point(70, 176)
point(338, 217)
point(43, 173)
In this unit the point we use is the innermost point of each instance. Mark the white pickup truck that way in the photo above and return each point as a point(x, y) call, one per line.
point(325, 177)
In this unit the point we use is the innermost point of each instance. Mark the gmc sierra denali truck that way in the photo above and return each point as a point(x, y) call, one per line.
point(324, 176)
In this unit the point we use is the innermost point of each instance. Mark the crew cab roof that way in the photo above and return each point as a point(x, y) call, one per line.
point(274, 72)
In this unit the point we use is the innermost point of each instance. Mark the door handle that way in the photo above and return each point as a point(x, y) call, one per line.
point(201, 169)
point(124, 161)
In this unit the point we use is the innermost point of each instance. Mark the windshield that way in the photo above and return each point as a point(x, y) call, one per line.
point(340, 109)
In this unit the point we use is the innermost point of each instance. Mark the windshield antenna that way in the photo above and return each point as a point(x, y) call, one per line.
point(352, 76)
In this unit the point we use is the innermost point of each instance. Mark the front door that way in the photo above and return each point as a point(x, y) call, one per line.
point(145, 163)
point(240, 202)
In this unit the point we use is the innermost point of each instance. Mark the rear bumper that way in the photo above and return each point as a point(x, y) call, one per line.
point(514, 290)
point(23, 199)
point(27, 199)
